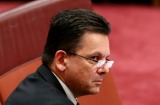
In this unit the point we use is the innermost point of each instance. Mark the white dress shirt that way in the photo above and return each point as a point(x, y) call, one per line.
point(67, 91)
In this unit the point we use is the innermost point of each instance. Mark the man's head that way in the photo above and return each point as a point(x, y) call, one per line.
point(77, 39)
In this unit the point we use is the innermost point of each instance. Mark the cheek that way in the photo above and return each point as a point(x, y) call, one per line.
point(85, 76)
point(80, 77)
point(79, 66)
point(81, 72)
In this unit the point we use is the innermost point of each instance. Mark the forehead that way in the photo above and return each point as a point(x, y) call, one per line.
point(95, 43)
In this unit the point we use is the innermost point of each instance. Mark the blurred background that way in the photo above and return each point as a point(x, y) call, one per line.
point(135, 40)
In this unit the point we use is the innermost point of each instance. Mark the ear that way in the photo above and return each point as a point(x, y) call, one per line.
point(60, 60)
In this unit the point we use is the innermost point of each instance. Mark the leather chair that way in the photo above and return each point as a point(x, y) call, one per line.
point(9, 81)
point(23, 32)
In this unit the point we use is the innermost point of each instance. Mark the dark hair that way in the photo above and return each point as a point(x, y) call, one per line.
point(67, 29)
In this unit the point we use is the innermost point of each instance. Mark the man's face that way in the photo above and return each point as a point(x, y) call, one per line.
point(83, 76)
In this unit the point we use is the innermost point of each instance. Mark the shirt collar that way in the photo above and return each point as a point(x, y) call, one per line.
point(67, 90)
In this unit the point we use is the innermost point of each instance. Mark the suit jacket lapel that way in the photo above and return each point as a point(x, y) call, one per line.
point(48, 76)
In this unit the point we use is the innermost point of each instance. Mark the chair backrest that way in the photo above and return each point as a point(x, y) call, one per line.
point(10, 80)
point(23, 30)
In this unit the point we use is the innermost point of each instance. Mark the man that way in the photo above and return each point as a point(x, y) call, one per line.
point(74, 61)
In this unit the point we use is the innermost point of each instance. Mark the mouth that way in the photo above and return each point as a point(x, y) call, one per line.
point(98, 82)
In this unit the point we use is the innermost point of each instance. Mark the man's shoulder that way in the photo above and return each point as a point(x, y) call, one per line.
point(36, 90)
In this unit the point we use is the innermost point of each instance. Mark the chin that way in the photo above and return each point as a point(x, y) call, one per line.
point(95, 91)
point(89, 92)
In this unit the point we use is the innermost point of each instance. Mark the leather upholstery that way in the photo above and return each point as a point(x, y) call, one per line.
point(23, 30)
point(10, 80)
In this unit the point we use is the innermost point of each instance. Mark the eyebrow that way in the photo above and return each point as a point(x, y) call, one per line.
point(99, 54)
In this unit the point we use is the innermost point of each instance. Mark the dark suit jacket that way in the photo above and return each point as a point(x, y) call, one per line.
point(39, 88)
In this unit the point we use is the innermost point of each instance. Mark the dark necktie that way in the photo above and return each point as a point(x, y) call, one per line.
point(77, 103)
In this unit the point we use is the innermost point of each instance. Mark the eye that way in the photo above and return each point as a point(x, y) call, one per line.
point(107, 59)
point(95, 58)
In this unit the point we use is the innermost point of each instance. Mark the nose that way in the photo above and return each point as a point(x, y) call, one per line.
point(103, 70)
